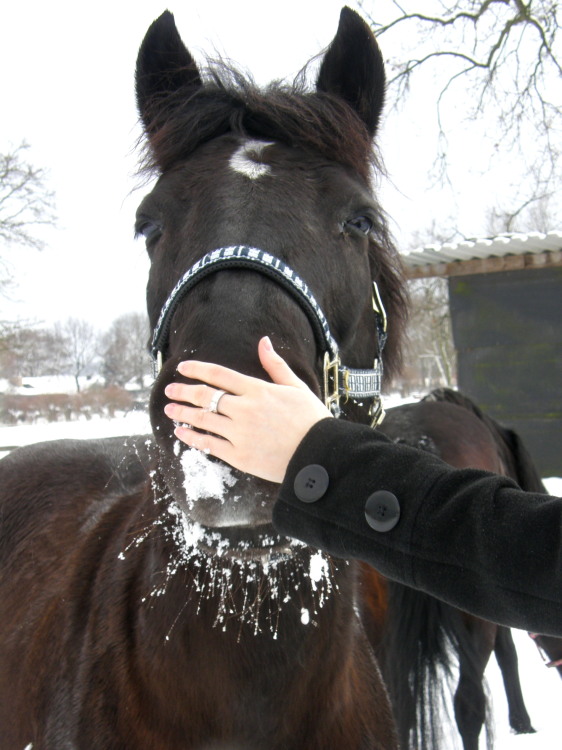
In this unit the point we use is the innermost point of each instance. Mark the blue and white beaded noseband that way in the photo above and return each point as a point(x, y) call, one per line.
point(339, 381)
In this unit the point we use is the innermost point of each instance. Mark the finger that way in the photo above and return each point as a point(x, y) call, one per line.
point(197, 395)
point(275, 366)
point(210, 444)
point(200, 418)
point(215, 375)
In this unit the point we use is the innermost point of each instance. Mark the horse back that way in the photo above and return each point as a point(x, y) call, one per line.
point(516, 461)
point(447, 429)
point(53, 490)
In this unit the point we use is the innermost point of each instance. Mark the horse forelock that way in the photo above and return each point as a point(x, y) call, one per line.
point(230, 102)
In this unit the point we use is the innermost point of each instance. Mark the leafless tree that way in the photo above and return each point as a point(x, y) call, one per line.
point(80, 347)
point(430, 354)
point(538, 212)
point(25, 201)
point(123, 350)
point(501, 59)
point(32, 352)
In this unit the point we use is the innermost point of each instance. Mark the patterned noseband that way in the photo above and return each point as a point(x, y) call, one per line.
point(339, 381)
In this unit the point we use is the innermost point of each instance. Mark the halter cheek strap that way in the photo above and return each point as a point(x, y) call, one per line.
point(339, 381)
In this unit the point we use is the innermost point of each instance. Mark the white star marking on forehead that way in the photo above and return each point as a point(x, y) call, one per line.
point(245, 159)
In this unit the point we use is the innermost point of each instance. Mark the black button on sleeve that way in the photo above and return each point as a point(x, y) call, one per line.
point(311, 483)
point(382, 510)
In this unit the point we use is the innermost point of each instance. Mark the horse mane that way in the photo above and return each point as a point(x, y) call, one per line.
point(290, 113)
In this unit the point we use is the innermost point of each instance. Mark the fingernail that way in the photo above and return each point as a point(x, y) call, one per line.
point(267, 343)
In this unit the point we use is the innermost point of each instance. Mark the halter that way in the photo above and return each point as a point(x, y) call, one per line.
point(338, 380)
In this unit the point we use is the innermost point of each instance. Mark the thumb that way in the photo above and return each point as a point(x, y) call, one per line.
point(275, 366)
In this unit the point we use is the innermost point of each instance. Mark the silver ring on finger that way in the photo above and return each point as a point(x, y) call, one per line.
point(214, 402)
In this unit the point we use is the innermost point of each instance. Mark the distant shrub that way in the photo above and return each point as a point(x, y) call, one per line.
point(60, 407)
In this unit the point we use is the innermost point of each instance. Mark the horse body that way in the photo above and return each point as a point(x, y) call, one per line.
point(149, 602)
point(416, 635)
point(109, 648)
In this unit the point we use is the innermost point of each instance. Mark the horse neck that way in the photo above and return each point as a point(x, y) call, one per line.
point(263, 593)
point(252, 651)
point(272, 600)
point(269, 665)
point(291, 608)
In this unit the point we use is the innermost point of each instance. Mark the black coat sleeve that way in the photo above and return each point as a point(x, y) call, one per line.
point(470, 538)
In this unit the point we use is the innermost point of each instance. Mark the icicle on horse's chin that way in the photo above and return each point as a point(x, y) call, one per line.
point(152, 602)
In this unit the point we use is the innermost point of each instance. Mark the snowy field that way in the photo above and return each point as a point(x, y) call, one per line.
point(542, 687)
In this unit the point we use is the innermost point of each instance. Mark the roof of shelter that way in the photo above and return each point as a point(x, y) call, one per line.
point(501, 253)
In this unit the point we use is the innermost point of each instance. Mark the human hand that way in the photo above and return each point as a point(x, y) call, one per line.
point(259, 425)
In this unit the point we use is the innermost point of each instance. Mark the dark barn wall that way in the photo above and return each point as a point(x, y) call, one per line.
point(507, 329)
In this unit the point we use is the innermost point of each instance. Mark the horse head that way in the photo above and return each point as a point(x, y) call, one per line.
point(281, 175)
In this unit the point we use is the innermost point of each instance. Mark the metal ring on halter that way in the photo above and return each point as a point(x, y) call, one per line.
point(214, 402)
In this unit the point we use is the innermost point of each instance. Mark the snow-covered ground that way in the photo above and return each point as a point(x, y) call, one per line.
point(542, 687)
point(134, 423)
point(48, 384)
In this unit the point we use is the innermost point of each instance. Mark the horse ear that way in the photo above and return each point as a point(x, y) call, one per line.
point(164, 65)
point(353, 69)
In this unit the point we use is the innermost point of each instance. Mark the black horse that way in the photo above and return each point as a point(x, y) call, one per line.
point(147, 602)
point(419, 639)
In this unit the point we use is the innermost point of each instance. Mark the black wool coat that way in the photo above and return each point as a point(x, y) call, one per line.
point(468, 537)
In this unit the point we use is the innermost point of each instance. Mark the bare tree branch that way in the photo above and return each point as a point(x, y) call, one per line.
point(506, 56)
point(25, 201)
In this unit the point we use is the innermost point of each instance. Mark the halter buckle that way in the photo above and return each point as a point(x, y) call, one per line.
point(376, 412)
point(378, 306)
point(157, 363)
point(332, 383)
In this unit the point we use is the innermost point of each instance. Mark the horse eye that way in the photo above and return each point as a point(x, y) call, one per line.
point(362, 224)
point(150, 230)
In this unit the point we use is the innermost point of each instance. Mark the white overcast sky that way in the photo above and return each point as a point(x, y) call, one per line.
point(67, 73)
point(67, 89)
